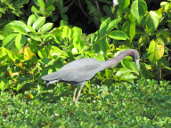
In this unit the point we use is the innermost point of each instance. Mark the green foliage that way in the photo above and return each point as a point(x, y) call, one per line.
point(26, 45)
point(14, 7)
point(44, 8)
point(144, 104)
point(34, 47)
point(20, 45)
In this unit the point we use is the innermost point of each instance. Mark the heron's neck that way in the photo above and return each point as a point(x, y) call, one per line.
point(119, 57)
point(114, 61)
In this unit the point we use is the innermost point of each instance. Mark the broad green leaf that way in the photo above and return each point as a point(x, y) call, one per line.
point(31, 20)
point(38, 23)
point(104, 24)
point(17, 26)
point(152, 20)
point(103, 45)
point(103, 29)
point(156, 50)
point(34, 9)
point(76, 37)
point(138, 9)
point(125, 74)
point(36, 37)
point(155, 17)
point(113, 24)
point(132, 30)
point(66, 32)
point(46, 27)
point(41, 4)
point(19, 41)
point(118, 35)
point(130, 65)
point(8, 39)
point(123, 3)
point(134, 10)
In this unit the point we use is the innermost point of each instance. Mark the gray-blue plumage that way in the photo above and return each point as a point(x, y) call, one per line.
point(79, 71)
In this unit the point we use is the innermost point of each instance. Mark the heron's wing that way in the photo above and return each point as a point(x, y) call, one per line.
point(76, 71)
point(82, 62)
point(73, 74)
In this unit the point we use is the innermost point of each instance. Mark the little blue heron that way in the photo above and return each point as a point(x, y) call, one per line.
point(79, 71)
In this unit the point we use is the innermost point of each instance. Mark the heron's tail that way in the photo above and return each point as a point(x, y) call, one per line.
point(50, 77)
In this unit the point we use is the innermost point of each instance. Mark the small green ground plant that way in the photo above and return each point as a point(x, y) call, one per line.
point(120, 105)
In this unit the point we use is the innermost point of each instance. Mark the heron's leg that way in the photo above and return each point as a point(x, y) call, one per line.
point(79, 92)
point(74, 95)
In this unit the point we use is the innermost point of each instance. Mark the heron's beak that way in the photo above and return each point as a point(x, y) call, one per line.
point(138, 64)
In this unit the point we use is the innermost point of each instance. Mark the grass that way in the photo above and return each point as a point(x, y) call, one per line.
point(143, 104)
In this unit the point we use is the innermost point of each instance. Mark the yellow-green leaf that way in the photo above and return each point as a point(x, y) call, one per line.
point(17, 26)
point(39, 22)
point(18, 41)
point(28, 54)
point(138, 9)
point(156, 50)
point(132, 30)
point(76, 37)
point(31, 20)
point(46, 27)
point(8, 39)
point(156, 17)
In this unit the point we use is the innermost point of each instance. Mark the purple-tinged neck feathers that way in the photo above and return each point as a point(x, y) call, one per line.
point(130, 52)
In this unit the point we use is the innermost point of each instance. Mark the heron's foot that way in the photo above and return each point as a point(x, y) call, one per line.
point(76, 98)
point(76, 95)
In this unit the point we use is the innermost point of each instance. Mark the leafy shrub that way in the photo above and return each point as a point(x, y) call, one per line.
point(34, 48)
point(28, 46)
